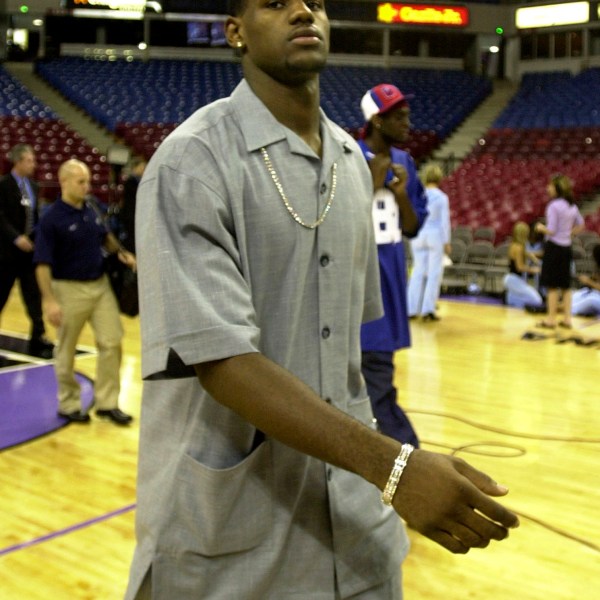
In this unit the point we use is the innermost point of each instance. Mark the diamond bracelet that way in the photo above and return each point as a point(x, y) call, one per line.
point(399, 465)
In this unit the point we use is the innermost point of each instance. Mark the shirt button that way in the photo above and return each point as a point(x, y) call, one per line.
point(323, 188)
point(324, 260)
point(328, 400)
point(329, 474)
point(325, 332)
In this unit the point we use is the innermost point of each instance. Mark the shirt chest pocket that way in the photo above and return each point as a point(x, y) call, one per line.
point(221, 511)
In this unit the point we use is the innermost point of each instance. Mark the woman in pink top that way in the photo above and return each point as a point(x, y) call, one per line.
point(563, 220)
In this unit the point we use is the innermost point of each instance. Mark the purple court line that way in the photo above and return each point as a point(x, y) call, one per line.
point(61, 532)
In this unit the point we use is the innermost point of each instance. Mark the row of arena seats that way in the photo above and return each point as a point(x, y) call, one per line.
point(583, 242)
point(53, 142)
point(509, 169)
point(136, 100)
point(17, 101)
point(503, 180)
point(441, 99)
point(476, 261)
point(25, 119)
point(551, 125)
point(516, 195)
point(168, 91)
point(553, 100)
point(145, 138)
point(566, 143)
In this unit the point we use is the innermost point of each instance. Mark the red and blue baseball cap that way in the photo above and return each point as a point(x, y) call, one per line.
point(381, 99)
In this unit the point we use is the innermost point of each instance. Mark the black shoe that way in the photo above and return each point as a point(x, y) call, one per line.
point(116, 415)
point(75, 417)
point(41, 348)
point(430, 317)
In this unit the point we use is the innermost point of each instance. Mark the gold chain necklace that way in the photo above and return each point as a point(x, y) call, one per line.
point(287, 203)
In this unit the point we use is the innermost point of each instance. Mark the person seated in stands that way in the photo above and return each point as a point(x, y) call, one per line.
point(519, 292)
point(586, 300)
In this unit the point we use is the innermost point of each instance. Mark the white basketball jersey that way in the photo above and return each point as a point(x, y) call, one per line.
point(386, 218)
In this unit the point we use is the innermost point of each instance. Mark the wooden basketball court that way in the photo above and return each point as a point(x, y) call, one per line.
point(525, 411)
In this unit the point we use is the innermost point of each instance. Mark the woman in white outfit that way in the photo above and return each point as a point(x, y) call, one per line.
point(428, 249)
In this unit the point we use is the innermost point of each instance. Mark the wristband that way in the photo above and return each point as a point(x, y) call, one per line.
point(399, 465)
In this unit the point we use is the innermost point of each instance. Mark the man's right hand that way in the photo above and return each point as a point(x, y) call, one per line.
point(448, 501)
point(52, 312)
point(24, 244)
point(379, 165)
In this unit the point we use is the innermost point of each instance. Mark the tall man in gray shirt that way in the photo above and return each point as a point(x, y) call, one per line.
point(260, 473)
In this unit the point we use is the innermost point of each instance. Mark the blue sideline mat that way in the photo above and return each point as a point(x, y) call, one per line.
point(28, 402)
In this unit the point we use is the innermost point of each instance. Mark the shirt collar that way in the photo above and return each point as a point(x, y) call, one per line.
point(20, 180)
point(65, 206)
point(260, 128)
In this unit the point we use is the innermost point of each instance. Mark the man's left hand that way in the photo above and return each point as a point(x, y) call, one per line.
point(398, 183)
point(127, 258)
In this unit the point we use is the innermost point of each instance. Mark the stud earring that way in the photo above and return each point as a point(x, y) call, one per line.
point(239, 44)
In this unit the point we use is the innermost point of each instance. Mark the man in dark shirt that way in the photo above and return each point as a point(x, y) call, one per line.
point(127, 212)
point(19, 209)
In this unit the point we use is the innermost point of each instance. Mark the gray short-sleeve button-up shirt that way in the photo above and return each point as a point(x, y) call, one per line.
point(225, 270)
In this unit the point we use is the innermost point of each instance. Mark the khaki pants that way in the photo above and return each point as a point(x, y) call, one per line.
point(83, 301)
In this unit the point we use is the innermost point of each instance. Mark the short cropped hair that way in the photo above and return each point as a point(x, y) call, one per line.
point(69, 167)
point(15, 154)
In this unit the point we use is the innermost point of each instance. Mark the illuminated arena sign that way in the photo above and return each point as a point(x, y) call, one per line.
point(110, 9)
point(423, 14)
point(568, 13)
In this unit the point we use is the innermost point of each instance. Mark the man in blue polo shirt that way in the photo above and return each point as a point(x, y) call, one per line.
point(69, 255)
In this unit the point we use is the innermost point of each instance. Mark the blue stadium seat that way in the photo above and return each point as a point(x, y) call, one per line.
point(118, 92)
point(552, 123)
